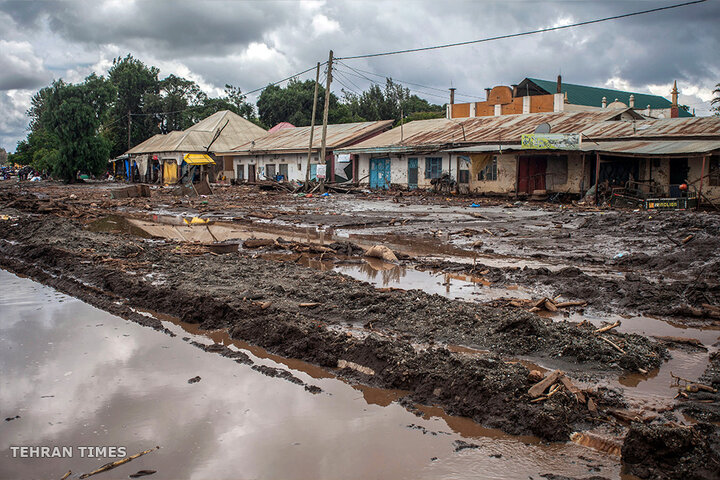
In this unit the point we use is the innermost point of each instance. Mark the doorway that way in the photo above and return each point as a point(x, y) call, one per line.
point(531, 173)
point(380, 173)
point(251, 173)
point(412, 173)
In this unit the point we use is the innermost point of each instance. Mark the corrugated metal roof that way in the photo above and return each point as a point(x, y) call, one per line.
point(655, 147)
point(198, 137)
point(596, 125)
point(592, 96)
point(293, 140)
point(627, 147)
point(656, 128)
point(442, 132)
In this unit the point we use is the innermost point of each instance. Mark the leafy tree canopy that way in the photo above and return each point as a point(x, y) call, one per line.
point(293, 104)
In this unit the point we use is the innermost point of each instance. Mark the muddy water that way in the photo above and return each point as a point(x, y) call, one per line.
point(78, 376)
point(450, 285)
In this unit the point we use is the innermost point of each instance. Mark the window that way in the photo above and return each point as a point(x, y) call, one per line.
point(489, 173)
point(270, 171)
point(240, 175)
point(284, 170)
point(714, 171)
point(433, 167)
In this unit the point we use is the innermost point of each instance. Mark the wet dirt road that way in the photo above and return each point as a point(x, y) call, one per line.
point(78, 376)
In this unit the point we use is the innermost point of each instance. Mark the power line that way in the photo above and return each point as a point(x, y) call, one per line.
point(245, 94)
point(358, 70)
point(531, 32)
point(431, 94)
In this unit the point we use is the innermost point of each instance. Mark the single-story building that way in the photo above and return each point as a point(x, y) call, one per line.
point(283, 154)
point(180, 155)
point(486, 155)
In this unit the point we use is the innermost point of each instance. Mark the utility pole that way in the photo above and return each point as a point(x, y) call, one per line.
point(312, 125)
point(325, 118)
point(129, 125)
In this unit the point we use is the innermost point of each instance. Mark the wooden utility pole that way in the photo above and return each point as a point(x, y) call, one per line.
point(597, 178)
point(129, 125)
point(325, 117)
point(312, 125)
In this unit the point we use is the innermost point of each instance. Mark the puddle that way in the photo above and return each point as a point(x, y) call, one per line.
point(78, 376)
point(450, 285)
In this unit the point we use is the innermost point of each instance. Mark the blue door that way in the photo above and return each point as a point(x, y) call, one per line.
point(412, 173)
point(313, 171)
point(380, 173)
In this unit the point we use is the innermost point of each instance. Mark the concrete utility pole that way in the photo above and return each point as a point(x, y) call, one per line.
point(325, 117)
point(312, 125)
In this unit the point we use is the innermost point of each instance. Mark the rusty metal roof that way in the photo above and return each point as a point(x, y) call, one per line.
point(694, 127)
point(504, 128)
point(598, 125)
point(655, 147)
point(198, 137)
point(620, 147)
point(296, 140)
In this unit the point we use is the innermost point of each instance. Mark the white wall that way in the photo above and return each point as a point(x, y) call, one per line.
point(399, 168)
point(296, 165)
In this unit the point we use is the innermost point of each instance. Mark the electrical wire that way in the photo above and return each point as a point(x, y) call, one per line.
point(358, 70)
point(521, 34)
point(431, 94)
point(245, 94)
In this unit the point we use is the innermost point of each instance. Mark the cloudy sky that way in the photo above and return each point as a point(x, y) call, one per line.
point(251, 43)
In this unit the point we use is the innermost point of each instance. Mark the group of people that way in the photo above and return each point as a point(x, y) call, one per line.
point(29, 173)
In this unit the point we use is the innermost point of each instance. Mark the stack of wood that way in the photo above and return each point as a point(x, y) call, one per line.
point(554, 383)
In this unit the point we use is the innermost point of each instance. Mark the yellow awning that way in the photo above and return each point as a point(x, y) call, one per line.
point(198, 159)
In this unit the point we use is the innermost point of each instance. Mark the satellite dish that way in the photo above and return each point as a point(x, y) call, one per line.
point(543, 128)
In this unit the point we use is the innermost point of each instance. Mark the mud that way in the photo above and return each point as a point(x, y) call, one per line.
point(670, 452)
point(401, 339)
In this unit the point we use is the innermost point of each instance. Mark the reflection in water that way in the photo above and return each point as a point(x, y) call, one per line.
point(450, 285)
point(78, 376)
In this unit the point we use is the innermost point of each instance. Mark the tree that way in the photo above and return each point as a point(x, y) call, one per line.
point(134, 81)
point(390, 103)
point(233, 100)
point(716, 101)
point(74, 115)
point(168, 107)
point(293, 104)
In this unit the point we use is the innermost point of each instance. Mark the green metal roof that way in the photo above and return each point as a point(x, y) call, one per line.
point(592, 96)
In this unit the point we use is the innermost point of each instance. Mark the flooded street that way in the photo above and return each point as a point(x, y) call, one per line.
point(78, 376)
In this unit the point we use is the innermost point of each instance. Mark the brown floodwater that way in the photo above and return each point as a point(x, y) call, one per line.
point(77, 376)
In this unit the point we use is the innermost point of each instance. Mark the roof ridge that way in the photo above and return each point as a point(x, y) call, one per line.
point(597, 88)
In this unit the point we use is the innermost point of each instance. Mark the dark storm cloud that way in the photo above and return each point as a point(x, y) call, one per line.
point(250, 44)
point(215, 27)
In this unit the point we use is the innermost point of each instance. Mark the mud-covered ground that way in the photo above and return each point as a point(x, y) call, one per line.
point(458, 355)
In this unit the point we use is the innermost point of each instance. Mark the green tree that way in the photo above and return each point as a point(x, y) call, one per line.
point(168, 107)
point(716, 101)
point(389, 103)
point(74, 115)
point(294, 104)
point(233, 100)
point(134, 81)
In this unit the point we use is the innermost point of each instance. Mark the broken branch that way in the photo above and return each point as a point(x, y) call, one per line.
point(608, 327)
point(110, 466)
point(613, 344)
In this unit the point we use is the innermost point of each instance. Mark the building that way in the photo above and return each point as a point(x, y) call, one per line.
point(533, 95)
point(170, 157)
point(284, 153)
point(486, 154)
